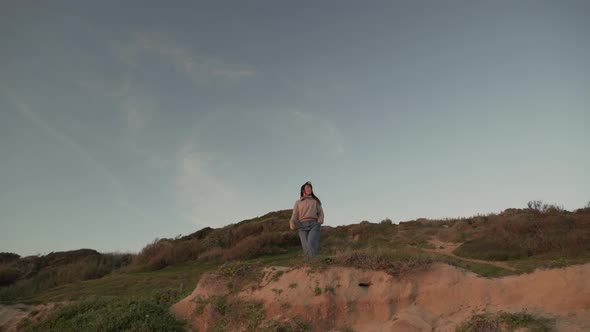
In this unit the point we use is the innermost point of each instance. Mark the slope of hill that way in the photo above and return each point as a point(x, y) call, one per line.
point(512, 244)
point(334, 298)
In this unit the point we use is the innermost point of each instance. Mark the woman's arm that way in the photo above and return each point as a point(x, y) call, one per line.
point(321, 215)
point(294, 216)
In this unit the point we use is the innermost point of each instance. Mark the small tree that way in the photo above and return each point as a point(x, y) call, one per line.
point(539, 207)
point(386, 221)
point(7, 257)
point(536, 205)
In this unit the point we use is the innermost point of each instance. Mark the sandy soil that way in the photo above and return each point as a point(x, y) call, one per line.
point(11, 315)
point(439, 299)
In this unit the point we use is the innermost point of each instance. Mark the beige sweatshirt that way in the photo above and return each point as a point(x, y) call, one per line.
point(307, 208)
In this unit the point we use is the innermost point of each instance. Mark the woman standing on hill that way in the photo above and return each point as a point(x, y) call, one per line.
point(307, 218)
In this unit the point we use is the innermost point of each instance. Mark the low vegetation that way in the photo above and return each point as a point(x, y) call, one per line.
point(24, 277)
point(296, 324)
point(540, 235)
point(520, 234)
point(395, 262)
point(232, 313)
point(504, 321)
point(148, 313)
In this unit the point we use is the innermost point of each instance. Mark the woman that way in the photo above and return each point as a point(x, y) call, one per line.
point(307, 217)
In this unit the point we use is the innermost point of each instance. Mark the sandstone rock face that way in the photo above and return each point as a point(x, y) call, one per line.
point(439, 299)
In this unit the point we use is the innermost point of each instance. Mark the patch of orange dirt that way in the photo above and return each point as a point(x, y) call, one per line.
point(12, 315)
point(438, 299)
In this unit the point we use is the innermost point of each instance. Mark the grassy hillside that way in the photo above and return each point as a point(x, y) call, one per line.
point(25, 277)
point(511, 242)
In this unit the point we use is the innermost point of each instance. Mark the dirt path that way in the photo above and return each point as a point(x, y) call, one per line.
point(446, 248)
point(11, 315)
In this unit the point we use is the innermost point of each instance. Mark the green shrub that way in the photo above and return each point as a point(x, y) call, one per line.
point(317, 291)
point(491, 249)
point(504, 321)
point(67, 269)
point(296, 324)
point(167, 297)
point(238, 269)
point(9, 275)
point(386, 221)
point(232, 312)
point(538, 207)
point(109, 314)
point(241, 273)
point(8, 257)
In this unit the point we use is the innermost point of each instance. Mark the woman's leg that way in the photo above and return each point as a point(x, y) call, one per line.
point(303, 230)
point(313, 238)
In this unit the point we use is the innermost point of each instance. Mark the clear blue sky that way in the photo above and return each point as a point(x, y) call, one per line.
point(125, 121)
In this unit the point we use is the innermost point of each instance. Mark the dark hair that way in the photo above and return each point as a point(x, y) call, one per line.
point(302, 191)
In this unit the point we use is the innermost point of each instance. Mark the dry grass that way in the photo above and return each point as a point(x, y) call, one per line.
point(263, 244)
point(526, 234)
point(34, 274)
point(396, 263)
point(457, 232)
point(250, 238)
point(9, 275)
point(211, 253)
point(8, 257)
point(163, 252)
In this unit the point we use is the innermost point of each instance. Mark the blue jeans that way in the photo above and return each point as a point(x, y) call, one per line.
point(309, 234)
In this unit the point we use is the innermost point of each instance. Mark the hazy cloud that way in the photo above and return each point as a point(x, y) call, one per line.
point(198, 67)
point(70, 143)
point(205, 198)
point(300, 126)
point(138, 108)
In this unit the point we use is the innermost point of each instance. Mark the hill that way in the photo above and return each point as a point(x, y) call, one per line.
point(514, 242)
